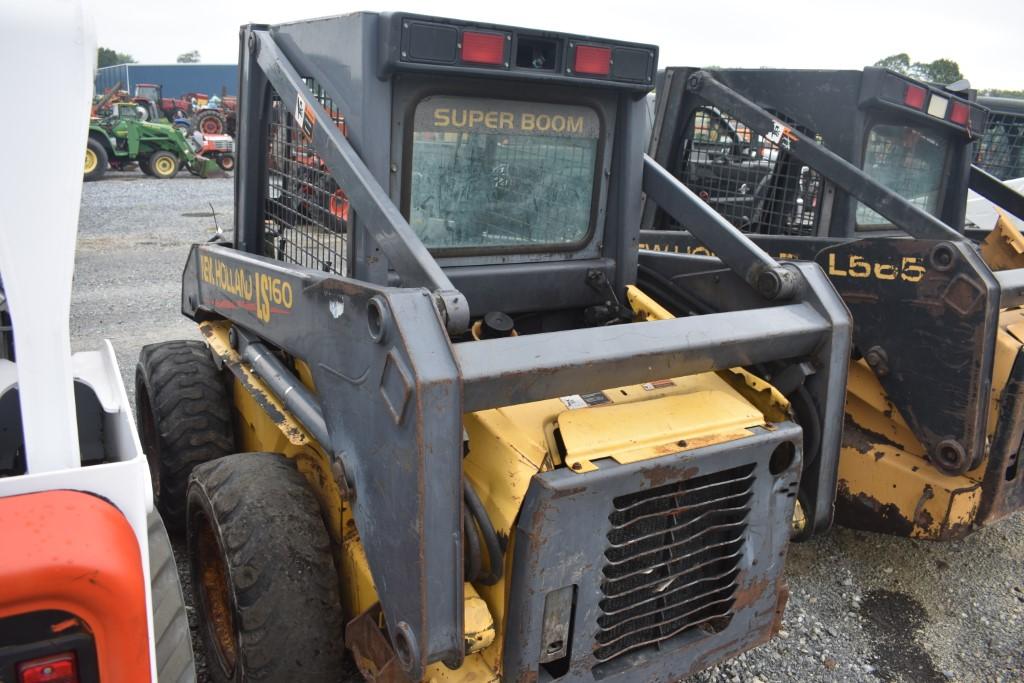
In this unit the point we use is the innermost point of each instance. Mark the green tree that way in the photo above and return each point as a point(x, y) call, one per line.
point(191, 57)
point(107, 57)
point(1002, 92)
point(944, 71)
point(899, 63)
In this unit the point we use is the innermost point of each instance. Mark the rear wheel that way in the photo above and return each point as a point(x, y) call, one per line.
point(96, 161)
point(163, 164)
point(265, 585)
point(210, 123)
point(175, 661)
point(144, 166)
point(184, 417)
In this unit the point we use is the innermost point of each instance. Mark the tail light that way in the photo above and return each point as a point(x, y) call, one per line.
point(959, 113)
point(593, 61)
point(483, 48)
point(53, 669)
point(914, 96)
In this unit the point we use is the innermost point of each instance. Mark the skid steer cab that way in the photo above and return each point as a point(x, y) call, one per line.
point(88, 587)
point(867, 173)
point(445, 413)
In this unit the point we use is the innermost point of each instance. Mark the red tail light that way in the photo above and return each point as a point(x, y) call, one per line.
point(594, 61)
point(54, 669)
point(483, 48)
point(959, 113)
point(914, 96)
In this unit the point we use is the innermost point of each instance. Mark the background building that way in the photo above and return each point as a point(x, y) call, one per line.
point(176, 79)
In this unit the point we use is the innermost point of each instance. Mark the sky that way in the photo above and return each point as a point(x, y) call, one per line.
point(983, 36)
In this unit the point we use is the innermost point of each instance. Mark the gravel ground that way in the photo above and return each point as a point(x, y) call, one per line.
point(863, 607)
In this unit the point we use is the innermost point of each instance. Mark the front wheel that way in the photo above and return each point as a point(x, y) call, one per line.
point(96, 161)
point(226, 162)
point(163, 164)
point(265, 585)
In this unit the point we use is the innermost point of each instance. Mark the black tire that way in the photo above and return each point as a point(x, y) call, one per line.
point(144, 166)
point(265, 585)
point(102, 162)
point(210, 122)
point(184, 418)
point(163, 164)
point(226, 162)
point(175, 661)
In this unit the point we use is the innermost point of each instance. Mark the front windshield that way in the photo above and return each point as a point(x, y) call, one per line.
point(490, 173)
point(908, 161)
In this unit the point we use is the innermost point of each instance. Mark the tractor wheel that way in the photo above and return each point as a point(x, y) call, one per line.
point(265, 585)
point(96, 161)
point(210, 123)
point(184, 418)
point(226, 162)
point(144, 166)
point(163, 164)
point(175, 660)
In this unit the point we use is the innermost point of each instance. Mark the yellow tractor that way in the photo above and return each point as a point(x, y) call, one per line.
point(450, 432)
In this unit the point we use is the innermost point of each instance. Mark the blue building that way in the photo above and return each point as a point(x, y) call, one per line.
point(176, 79)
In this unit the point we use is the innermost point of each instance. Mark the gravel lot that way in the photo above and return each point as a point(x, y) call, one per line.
point(863, 607)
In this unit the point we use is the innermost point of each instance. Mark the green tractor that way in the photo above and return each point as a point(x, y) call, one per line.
point(123, 138)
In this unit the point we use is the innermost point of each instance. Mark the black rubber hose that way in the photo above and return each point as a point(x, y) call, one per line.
point(807, 416)
point(670, 292)
point(473, 560)
point(495, 555)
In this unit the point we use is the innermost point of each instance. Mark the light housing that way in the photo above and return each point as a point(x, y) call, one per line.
point(483, 48)
point(591, 60)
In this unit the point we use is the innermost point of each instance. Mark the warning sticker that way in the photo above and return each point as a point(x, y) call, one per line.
point(778, 130)
point(659, 384)
point(577, 401)
point(304, 117)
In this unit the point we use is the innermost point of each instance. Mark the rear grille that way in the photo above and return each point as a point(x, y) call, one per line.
point(672, 560)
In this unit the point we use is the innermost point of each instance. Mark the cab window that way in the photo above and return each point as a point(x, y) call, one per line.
point(505, 174)
point(908, 161)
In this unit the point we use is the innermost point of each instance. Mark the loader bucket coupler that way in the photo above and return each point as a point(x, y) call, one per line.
point(538, 452)
point(871, 183)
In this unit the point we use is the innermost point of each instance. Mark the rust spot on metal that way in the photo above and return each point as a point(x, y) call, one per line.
point(748, 595)
point(371, 649)
point(666, 474)
point(861, 511)
point(864, 440)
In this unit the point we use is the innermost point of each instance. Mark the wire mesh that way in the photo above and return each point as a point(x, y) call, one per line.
point(306, 215)
point(1001, 149)
point(747, 178)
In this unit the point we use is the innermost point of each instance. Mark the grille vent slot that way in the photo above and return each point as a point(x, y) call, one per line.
point(672, 560)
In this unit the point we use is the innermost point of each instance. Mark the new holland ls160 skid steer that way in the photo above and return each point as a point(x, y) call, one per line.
point(434, 418)
point(867, 173)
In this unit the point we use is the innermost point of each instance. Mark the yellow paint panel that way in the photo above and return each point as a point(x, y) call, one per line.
point(1003, 249)
point(935, 503)
point(628, 432)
